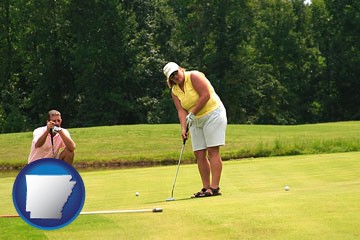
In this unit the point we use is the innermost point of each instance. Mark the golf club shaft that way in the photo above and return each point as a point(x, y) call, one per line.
point(178, 166)
point(177, 169)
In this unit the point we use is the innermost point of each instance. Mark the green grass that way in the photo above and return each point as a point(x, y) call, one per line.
point(323, 202)
point(160, 144)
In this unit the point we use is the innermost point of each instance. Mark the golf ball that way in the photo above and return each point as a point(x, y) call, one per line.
point(137, 194)
point(286, 188)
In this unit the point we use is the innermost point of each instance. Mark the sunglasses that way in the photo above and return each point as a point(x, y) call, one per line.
point(172, 76)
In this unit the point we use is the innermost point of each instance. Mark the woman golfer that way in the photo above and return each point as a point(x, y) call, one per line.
point(200, 108)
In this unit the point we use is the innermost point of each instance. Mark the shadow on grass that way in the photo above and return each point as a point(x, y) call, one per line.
point(176, 199)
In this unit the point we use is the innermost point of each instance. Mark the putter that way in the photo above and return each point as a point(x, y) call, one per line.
point(177, 169)
point(154, 210)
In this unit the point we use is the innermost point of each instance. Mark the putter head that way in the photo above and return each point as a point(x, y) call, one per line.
point(169, 199)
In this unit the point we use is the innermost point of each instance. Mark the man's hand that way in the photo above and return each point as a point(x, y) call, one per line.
point(50, 125)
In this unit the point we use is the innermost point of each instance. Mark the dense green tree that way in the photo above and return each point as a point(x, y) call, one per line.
point(282, 40)
point(12, 91)
point(43, 71)
point(100, 62)
point(5, 56)
point(342, 51)
point(153, 48)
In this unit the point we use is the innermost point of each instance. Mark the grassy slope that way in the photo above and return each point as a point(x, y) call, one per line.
point(323, 202)
point(162, 143)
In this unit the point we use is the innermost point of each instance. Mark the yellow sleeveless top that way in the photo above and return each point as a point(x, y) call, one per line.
point(189, 96)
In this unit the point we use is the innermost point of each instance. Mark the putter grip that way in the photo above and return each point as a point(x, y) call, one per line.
point(187, 130)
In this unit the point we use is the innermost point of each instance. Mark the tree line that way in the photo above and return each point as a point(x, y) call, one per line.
point(99, 62)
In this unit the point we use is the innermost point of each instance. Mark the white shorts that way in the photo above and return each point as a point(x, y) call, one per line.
point(209, 130)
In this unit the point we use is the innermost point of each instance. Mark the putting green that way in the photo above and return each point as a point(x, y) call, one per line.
point(322, 203)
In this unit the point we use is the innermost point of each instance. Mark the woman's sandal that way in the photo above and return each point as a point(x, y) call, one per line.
point(199, 194)
point(212, 192)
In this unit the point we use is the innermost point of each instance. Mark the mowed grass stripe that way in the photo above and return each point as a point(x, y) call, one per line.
point(161, 143)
